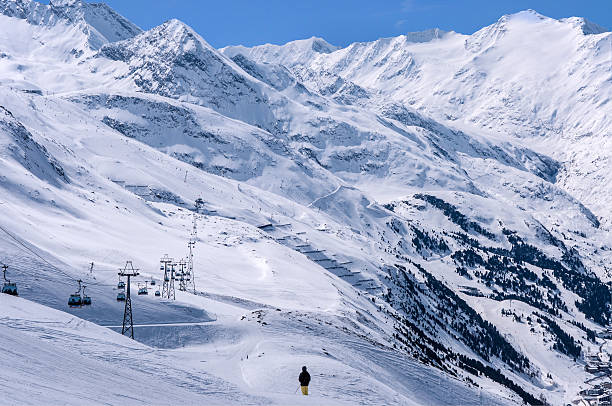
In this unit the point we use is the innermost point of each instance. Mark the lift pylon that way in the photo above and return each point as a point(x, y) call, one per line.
point(128, 322)
point(190, 274)
point(182, 275)
point(171, 291)
point(167, 264)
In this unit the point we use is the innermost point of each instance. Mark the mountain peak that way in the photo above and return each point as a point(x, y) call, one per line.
point(524, 16)
point(176, 23)
point(317, 44)
point(178, 33)
point(587, 27)
point(64, 3)
point(97, 21)
point(176, 26)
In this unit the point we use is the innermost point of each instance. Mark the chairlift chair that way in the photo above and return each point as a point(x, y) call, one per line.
point(86, 299)
point(75, 300)
point(10, 288)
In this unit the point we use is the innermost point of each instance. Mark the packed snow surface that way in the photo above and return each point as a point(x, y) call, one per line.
point(421, 220)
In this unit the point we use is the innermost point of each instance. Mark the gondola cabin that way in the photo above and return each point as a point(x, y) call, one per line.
point(86, 299)
point(10, 289)
point(121, 285)
point(143, 291)
point(121, 296)
point(157, 293)
point(75, 300)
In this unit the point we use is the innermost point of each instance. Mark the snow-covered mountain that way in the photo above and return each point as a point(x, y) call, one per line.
point(546, 82)
point(420, 219)
point(98, 23)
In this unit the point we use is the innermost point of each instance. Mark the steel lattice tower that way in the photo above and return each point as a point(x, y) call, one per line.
point(166, 263)
point(190, 282)
point(182, 275)
point(190, 272)
point(128, 321)
point(171, 291)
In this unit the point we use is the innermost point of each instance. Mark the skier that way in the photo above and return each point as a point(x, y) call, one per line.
point(304, 381)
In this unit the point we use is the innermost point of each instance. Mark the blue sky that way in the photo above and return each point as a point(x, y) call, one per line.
point(340, 22)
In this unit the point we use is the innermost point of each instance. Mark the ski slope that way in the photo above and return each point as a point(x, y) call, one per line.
point(59, 358)
point(369, 212)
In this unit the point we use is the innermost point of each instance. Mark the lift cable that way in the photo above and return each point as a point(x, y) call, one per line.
point(35, 253)
point(28, 249)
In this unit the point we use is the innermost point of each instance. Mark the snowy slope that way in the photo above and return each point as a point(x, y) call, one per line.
point(499, 80)
point(97, 22)
point(262, 274)
point(61, 359)
point(342, 221)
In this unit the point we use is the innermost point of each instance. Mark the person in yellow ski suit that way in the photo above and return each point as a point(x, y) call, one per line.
point(304, 381)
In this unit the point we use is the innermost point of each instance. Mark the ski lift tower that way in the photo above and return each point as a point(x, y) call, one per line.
point(128, 322)
point(190, 272)
point(167, 264)
point(171, 291)
point(182, 275)
point(190, 276)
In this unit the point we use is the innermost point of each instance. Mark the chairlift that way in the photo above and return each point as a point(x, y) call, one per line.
point(75, 300)
point(161, 267)
point(10, 288)
point(86, 299)
point(121, 296)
